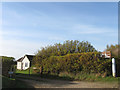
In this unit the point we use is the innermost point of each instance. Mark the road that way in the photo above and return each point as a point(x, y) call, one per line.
point(48, 83)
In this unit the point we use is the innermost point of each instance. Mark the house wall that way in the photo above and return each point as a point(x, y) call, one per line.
point(106, 55)
point(26, 60)
point(19, 65)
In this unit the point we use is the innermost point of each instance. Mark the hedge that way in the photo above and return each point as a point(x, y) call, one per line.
point(7, 63)
point(89, 62)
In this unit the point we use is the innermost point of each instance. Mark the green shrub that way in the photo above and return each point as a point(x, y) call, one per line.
point(7, 63)
point(89, 62)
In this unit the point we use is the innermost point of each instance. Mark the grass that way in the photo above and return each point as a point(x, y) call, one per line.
point(23, 71)
point(108, 79)
point(71, 76)
point(89, 77)
point(13, 83)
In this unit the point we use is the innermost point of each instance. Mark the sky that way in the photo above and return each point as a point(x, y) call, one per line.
point(29, 26)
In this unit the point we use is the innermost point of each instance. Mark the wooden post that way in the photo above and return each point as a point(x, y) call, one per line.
point(113, 68)
point(29, 68)
point(29, 71)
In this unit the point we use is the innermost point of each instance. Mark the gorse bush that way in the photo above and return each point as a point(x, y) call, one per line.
point(71, 57)
point(66, 48)
point(89, 62)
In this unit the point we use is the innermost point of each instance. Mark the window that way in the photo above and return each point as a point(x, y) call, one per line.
point(26, 64)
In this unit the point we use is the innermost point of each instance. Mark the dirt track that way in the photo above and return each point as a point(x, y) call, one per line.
point(48, 83)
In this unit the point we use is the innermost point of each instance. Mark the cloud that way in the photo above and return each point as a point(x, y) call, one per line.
point(17, 48)
point(21, 33)
point(38, 29)
point(56, 38)
point(30, 34)
point(91, 29)
point(12, 46)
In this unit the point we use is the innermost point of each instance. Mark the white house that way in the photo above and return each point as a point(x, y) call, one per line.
point(24, 62)
point(106, 54)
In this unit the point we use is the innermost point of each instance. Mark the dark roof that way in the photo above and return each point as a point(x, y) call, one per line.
point(20, 59)
point(30, 57)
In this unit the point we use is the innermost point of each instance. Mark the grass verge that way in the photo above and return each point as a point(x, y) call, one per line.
point(71, 76)
point(90, 77)
point(23, 71)
point(13, 83)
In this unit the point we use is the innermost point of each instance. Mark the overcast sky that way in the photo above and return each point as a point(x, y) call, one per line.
point(26, 27)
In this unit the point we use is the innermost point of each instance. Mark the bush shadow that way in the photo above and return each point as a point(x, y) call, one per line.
point(52, 80)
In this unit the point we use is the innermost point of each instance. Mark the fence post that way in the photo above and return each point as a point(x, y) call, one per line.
point(113, 68)
point(29, 71)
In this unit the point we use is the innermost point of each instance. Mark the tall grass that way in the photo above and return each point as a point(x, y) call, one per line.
point(88, 77)
point(81, 76)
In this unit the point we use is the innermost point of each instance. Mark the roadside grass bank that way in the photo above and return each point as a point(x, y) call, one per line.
point(90, 77)
point(13, 83)
point(24, 71)
point(71, 76)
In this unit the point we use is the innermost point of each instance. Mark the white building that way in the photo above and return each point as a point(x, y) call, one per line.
point(106, 54)
point(24, 62)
